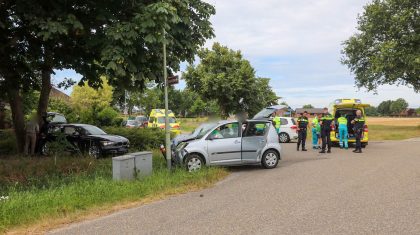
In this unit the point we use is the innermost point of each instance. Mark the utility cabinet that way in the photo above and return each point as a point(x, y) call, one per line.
point(123, 167)
point(143, 163)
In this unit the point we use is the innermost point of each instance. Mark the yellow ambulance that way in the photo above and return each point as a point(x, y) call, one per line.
point(157, 120)
point(349, 108)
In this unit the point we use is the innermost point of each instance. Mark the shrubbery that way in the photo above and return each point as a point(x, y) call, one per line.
point(107, 117)
point(140, 139)
point(7, 142)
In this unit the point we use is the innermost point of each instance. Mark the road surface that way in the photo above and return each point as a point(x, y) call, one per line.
point(377, 192)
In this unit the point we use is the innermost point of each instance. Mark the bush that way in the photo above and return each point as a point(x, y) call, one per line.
point(7, 142)
point(107, 116)
point(140, 138)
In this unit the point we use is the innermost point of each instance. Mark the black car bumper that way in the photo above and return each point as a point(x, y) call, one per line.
point(114, 150)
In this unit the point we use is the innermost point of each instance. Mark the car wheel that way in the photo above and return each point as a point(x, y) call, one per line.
point(284, 137)
point(45, 149)
point(270, 159)
point(194, 162)
point(94, 151)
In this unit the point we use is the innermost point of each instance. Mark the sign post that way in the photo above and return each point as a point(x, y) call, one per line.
point(167, 127)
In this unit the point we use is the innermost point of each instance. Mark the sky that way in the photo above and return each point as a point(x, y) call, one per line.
point(297, 44)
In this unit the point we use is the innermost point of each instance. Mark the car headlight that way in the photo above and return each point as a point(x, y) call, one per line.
point(181, 146)
point(107, 143)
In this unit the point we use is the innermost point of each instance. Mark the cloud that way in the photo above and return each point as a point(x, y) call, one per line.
point(268, 27)
point(297, 44)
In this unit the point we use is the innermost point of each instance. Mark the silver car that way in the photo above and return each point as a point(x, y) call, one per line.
point(229, 143)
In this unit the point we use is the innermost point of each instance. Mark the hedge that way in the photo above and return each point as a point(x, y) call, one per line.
point(140, 138)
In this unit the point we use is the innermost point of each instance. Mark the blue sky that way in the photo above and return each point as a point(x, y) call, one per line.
point(297, 44)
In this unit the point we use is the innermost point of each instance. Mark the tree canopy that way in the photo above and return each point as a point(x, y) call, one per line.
point(119, 39)
point(308, 106)
point(398, 106)
point(225, 76)
point(386, 49)
point(392, 107)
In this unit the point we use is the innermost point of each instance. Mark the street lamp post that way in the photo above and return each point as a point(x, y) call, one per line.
point(167, 134)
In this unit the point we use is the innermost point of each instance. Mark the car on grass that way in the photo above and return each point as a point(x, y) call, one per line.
point(230, 143)
point(348, 107)
point(86, 139)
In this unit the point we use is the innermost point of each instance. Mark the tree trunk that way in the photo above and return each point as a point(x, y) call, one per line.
point(2, 115)
point(44, 96)
point(16, 105)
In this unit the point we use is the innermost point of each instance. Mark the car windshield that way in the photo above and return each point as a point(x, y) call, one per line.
point(203, 129)
point(93, 130)
point(265, 113)
point(162, 120)
point(132, 122)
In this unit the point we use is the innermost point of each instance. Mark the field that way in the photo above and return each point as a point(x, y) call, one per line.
point(393, 128)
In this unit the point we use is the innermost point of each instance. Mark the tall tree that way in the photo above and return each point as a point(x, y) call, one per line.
point(225, 76)
point(384, 108)
point(371, 111)
point(308, 106)
point(386, 49)
point(120, 39)
point(398, 106)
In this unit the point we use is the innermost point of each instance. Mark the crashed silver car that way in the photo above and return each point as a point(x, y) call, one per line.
point(229, 143)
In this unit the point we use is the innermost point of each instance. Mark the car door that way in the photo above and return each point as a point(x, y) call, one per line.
point(254, 140)
point(72, 136)
point(224, 145)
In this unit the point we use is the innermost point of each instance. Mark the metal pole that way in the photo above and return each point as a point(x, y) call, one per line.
point(167, 127)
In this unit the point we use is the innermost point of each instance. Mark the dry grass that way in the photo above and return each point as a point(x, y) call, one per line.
point(388, 121)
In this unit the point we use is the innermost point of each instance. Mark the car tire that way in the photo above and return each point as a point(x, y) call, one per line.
point(45, 149)
point(94, 151)
point(284, 137)
point(270, 159)
point(194, 162)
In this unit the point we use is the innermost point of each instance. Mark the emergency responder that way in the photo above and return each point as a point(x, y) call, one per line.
point(277, 122)
point(358, 125)
point(302, 124)
point(342, 131)
point(326, 121)
point(315, 132)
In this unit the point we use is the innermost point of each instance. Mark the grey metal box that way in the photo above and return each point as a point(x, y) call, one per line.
point(143, 163)
point(123, 167)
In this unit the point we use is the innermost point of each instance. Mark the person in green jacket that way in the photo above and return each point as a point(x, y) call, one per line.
point(316, 132)
point(277, 122)
point(343, 131)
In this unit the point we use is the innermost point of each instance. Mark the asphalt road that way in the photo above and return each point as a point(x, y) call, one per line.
point(377, 192)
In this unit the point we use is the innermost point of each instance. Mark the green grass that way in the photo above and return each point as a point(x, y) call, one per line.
point(384, 132)
point(83, 192)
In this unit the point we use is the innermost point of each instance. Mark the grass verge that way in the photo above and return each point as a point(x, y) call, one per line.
point(86, 194)
point(385, 132)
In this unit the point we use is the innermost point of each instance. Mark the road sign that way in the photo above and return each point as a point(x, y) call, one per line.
point(173, 80)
